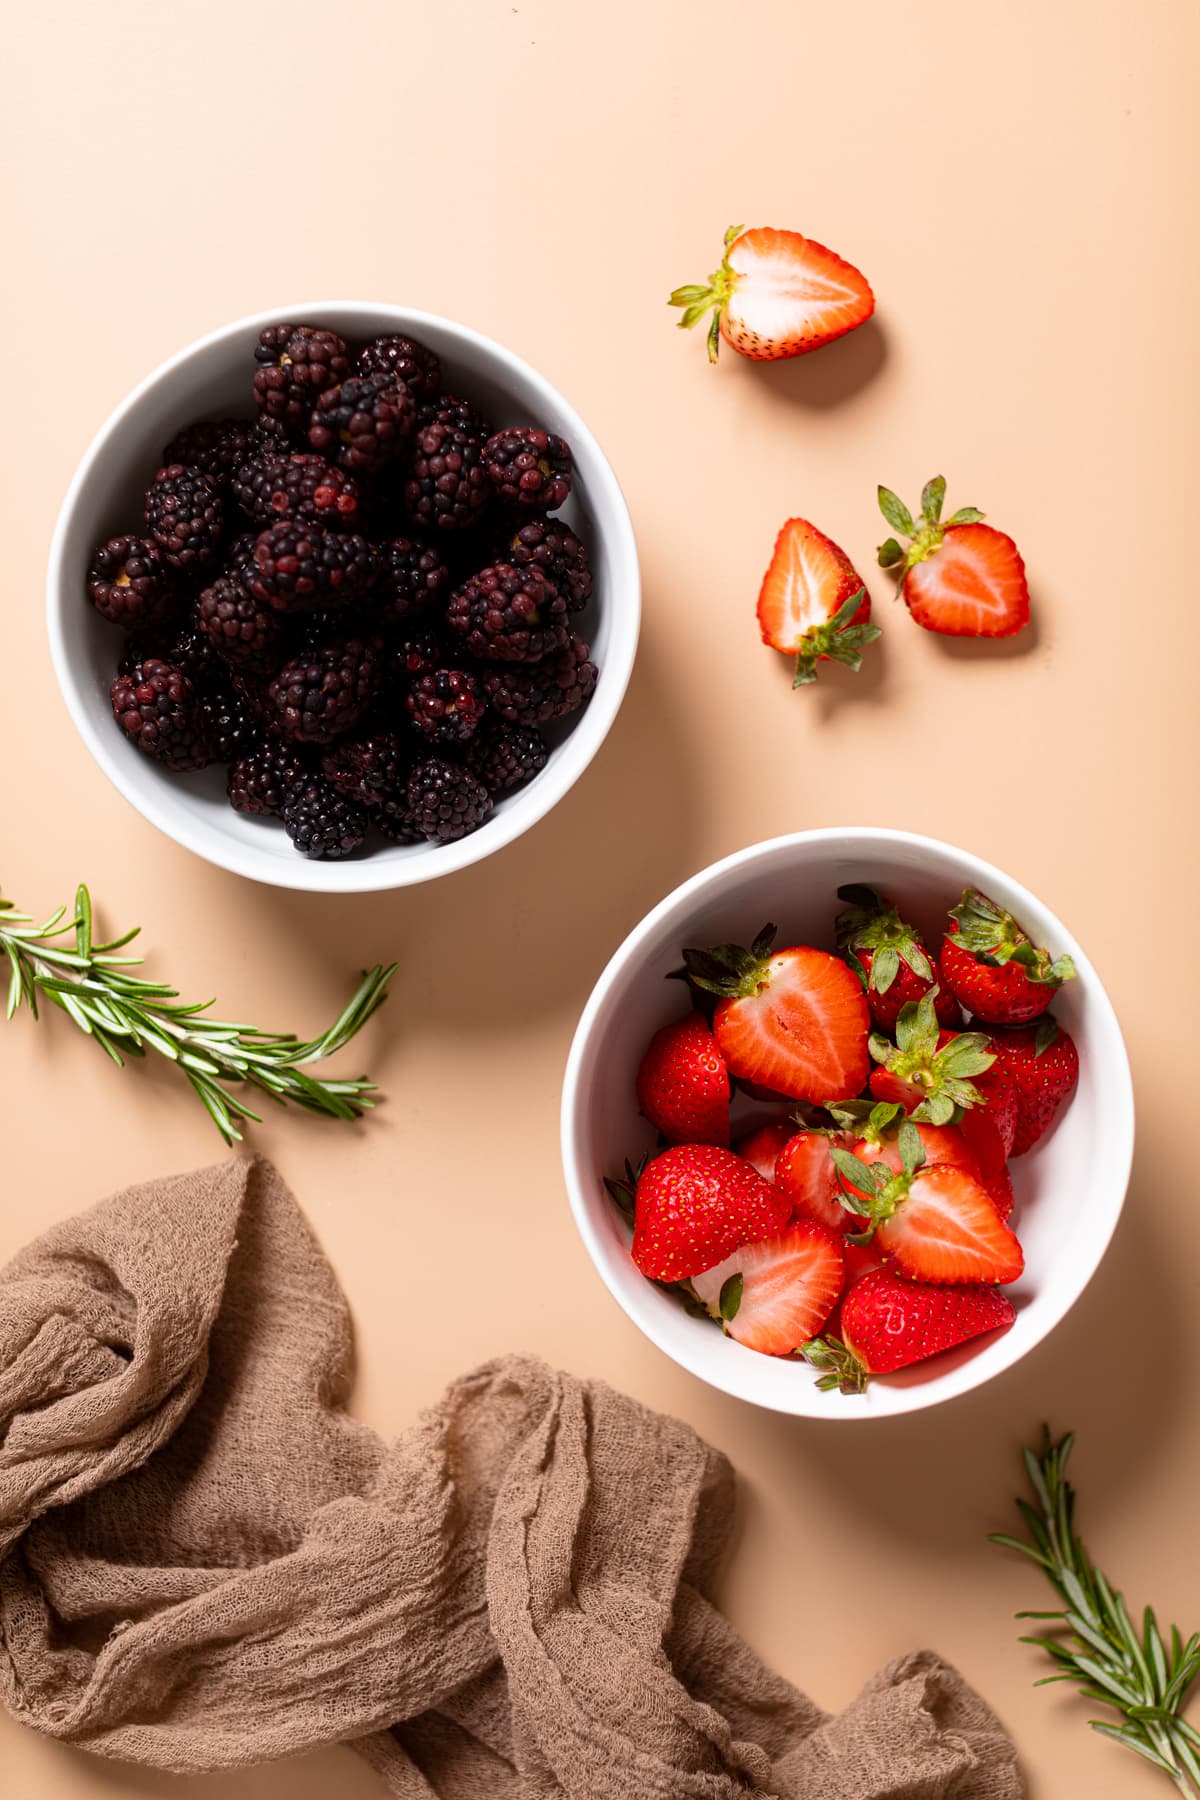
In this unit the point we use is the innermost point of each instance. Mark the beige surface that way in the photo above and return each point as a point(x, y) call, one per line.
point(1017, 185)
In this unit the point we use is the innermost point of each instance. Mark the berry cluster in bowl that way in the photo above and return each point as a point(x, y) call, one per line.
point(360, 599)
point(870, 1227)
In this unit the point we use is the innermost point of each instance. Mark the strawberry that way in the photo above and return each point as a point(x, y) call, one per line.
point(794, 1021)
point(776, 294)
point(940, 1143)
point(963, 578)
point(761, 1147)
point(990, 964)
point(695, 1204)
point(774, 1295)
point(812, 604)
point(928, 1071)
point(683, 1084)
point(888, 1323)
point(889, 955)
point(1043, 1065)
point(807, 1174)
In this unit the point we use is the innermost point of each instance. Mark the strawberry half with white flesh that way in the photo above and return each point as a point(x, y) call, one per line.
point(694, 1205)
point(889, 1323)
point(992, 966)
point(890, 956)
point(813, 604)
point(963, 578)
point(793, 1021)
point(775, 1295)
point(776, 294)
point(941, 1144)
point(808, 1176)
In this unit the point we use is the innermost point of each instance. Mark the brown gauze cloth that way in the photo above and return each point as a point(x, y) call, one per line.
point(205, 1562)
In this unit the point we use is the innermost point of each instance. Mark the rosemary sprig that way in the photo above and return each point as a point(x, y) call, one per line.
point(127, 1016)
point(1142, 1677)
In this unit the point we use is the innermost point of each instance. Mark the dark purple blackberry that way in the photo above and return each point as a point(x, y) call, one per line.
point(396, 827)
point(233, 728)
point(363, 424)
point(260, 780)
point(503, 757)
point(445, 801)
point(552, 547)
point(508, 615)
point(296, 363)
point(241, 629)
point(404, 359)
point(413, 578)
point(130, 585)
point(321, 822)
point(216, 446)
point(528, 467)
point(446, 488)
point(270, 488)
point(446, 705)
point(158, 709)
point(185, 646)
point(185, 516)
point(298, 567)
point(371, 769)
point(323, 693)
point(411, 654)
point(450, 409)
point(551, 689)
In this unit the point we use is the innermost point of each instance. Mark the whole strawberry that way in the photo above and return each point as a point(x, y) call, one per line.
point(929, 1071)
point(1043, 1065)
point(963, 578)
point(697, 1203)
point(993, 968)
point(890, 956)
point(683, 1084)
point(888, 1323)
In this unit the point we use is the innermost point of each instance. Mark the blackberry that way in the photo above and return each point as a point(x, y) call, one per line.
point(551, 689)
point(364, 423)
point(130, 585)
point(446, 705)
point(508, 615)
point(505, 756)
point(396, 827)
point(186, 647)
point(413, 578)
point(259, 781)
point(233, 728)
point(446, 488)
point(321, 822)
point(216, 446)
point(241, 630)
point(552, 547)
point(405, 360)
point(322, 693)
point(371, 769)
point(528, 467)
point(157, 708)
point(297, 567)
point(184, 516)
point(445, 801)
point(296, 363)
point(450, 409)
point(415, 653)
point(270, 488)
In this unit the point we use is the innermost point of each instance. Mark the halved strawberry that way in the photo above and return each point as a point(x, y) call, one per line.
point(695, 1204)
point(963, 578)
point(941, 1144)
point(761, 1147)
point(1043, 1065)
point(776, 294)
point(889, 1323)
point(794, 1021)
point(994, 968)
point(683, 1084)
point(808, 1176)
point(813, 605)
point(890, 956)
point(775, 1295)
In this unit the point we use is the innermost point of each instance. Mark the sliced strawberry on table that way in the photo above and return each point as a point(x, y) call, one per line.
point(1043, 1065)
point(890, 955)
point(693, 1205)
point(808, 1176)
point(963, 578)
point(992, 966)
point(775, 1295)
point(683, 1084)
point(761, 1147)
point(888, 1323)
point(793, 1020)
point(776, 294)
point(813, 604)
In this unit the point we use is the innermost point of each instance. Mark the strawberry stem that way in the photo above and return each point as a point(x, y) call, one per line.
point(697, 299)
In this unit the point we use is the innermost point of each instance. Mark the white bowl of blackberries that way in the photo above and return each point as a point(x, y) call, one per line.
point(344, 599)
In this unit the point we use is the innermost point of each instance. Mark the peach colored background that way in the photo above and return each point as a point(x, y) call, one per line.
point(1018, 182)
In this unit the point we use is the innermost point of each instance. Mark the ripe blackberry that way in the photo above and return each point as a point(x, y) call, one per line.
point(396, 827)
point(508, 615)
point(450, 409)
point(446, 705)
point(405, 360)
point(321, 822)
point(157, 708)
point(551, 689)
point(445, 801)
point(185, 516)
point(240, 628)
point(185, 646)
point(270, 488)
point(323, 693)
point(364, 423)
point(297, 567)
point(528, 467)
point(413, 653)
point(552, 547)
point(216, 446)
point(130, 585)
point(371, 769)
point(259, 781)
point(446, 488)
point(296, 363)
point(233, 728)
point(413, 578)
point(505, 756)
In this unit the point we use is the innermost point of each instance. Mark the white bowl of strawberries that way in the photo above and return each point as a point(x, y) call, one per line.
point(863, 1164)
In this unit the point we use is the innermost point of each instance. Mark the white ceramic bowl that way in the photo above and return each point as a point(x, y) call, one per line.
point(1070, 1188)
point(212, 377)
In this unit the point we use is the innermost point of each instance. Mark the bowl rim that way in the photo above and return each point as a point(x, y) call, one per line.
point(583, 1200)
point(370, 874)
